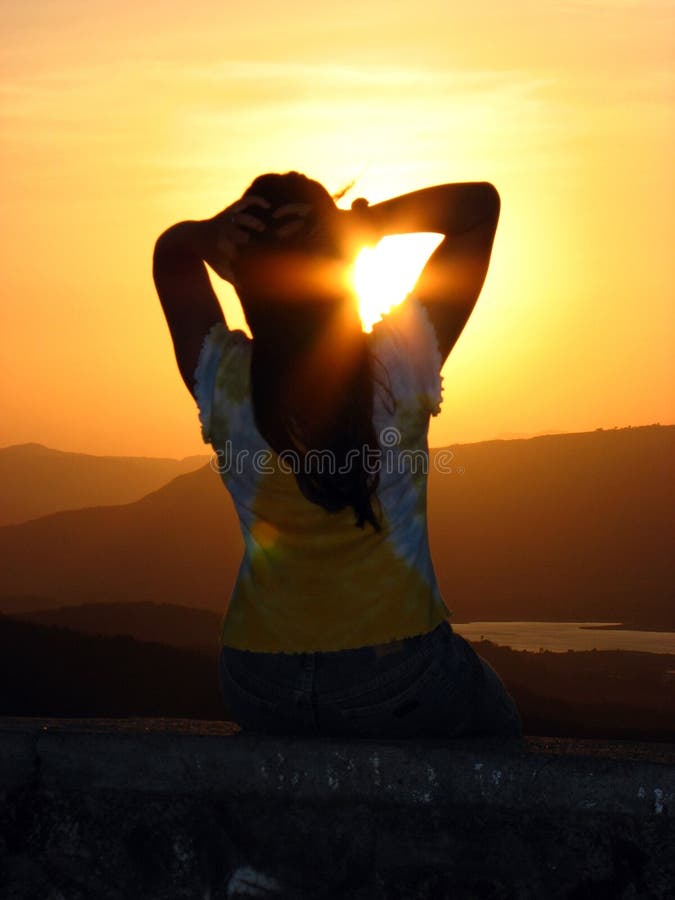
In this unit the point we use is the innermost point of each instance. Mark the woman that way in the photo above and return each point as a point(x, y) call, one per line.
point(336, 624)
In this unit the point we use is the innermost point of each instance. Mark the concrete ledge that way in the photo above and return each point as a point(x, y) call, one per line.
point(523, 811)
point(182, 757)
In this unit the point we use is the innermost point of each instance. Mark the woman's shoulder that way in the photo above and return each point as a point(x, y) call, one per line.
point(220, 338)
point(222, 372)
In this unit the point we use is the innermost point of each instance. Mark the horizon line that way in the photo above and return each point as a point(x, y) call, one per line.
point(501, 436)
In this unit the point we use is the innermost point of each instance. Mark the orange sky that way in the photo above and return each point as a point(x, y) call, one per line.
point(121, 118)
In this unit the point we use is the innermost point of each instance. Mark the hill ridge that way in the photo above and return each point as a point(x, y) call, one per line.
point(528, 529)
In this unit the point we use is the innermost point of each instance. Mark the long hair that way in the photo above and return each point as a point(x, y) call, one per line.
point(311, 370)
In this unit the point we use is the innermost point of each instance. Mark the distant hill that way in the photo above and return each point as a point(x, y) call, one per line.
point(36, 480)
point(57, 672)
point(570, 526)
point(175, 626)
point(179, 544)
point(48, 671)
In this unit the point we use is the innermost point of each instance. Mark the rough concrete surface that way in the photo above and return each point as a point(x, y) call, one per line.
point(179, 809)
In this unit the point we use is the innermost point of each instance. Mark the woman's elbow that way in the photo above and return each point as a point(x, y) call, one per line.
point(491, 199)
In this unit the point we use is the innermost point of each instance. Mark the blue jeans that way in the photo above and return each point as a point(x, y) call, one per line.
point(429, 685)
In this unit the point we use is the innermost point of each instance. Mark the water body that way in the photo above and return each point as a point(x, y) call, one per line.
point(563, 636)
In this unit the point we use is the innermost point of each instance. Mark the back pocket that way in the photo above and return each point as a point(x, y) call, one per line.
point(397, 710)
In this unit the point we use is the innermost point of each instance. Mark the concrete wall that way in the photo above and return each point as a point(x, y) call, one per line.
point(158, 809)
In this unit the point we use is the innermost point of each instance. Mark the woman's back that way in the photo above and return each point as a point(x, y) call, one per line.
point(337, 561)
point(310, 580)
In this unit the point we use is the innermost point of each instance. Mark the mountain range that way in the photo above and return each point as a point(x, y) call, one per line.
point(36, 480)
point(565, 526)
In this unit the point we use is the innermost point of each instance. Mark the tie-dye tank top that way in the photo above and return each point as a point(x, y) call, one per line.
point(311, 580)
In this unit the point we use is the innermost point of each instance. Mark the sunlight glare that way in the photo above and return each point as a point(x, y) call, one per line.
point(385, 274)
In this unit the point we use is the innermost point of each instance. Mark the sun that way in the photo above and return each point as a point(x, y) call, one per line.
point(385, 274)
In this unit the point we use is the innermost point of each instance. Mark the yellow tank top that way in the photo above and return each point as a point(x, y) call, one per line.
point(310, 580)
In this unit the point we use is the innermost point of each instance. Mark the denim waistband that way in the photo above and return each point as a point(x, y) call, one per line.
point(379, 650)
point(364, 652)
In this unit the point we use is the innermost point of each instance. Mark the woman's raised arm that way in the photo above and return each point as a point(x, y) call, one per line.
point(467, 214)
point(189, 302)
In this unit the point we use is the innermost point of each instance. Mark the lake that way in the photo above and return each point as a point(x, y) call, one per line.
point(562, 636)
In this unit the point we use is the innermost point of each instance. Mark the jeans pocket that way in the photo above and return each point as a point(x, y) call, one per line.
point(385, 694)
point(247, 708)
point(408, 708)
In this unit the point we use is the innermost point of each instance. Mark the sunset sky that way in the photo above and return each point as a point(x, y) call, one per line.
point(119, 119)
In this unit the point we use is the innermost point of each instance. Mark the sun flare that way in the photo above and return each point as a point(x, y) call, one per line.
point(385, 274)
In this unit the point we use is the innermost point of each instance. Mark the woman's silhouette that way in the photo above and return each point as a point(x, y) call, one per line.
point(336, 624)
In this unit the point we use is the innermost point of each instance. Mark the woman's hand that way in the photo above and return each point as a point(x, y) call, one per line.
point(360, 224)
point(296, 215)
point(232, 229)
